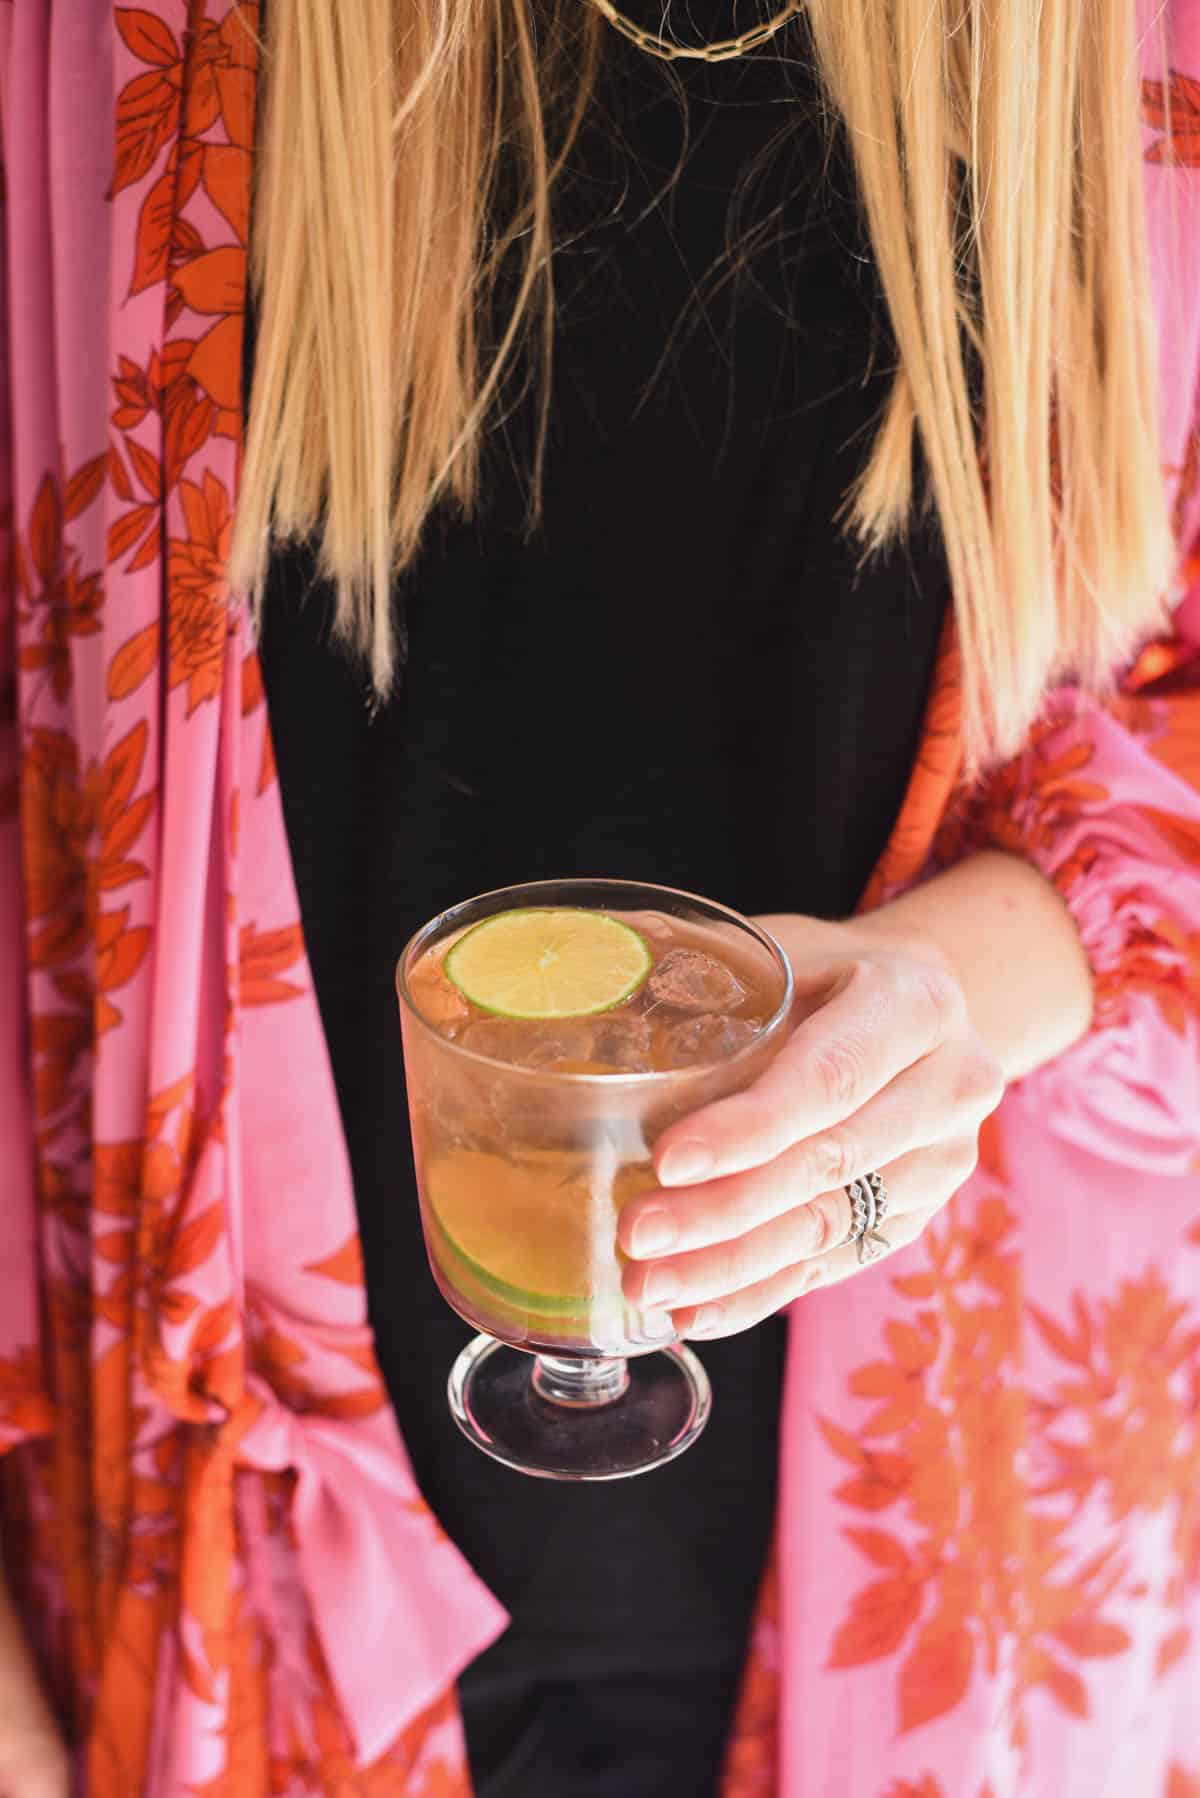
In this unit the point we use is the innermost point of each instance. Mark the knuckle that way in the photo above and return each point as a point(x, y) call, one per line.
point(980, 1084)
point(837, 1073)
point(823, 1226)
point(943, 995)
point(830, 1159)
point(806, 1276)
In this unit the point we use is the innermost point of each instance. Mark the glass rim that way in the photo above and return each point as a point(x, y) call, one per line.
point(648, 1076)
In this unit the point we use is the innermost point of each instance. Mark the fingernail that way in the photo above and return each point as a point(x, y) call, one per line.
point(657, 1326)
point(654, 1232)
point(685, 1162)
point(707, 1320)
point(661, 1286)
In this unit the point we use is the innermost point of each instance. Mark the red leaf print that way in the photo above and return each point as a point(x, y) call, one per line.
point(1056, 1338)
point(842, 1443)
point(125, 1173)
point(1089, 1637)
point(214, 1328)
point(1172, 1648)
point(23, 1406)
point(252, 686)
point(912, 1350)
point(882, 1482)
point(83, 486)
point(123, 767)
point(189, 424)
point(266, 766)
point(878, 1379)
point(117, 965)
point(45, 531)
point(147, 117)
point(195, 1242)
point(149, 552)
point(214, 282)
point(133, 662)
point(1181, 100)
point(227, 170)
point(216, 363)
point(118, 474)
point(365, 1401)
point(186, 241)
point(154, 234)
point(916, 1286)
point(149, 39)
point(262, 957)
point(146, 468)
point(935, 1676)
point(881, 1615)
point(124, 531)
point(1183, 834)
point(1067, 1687)
point(1181, 1783)
point(345, 1264)
point(124, 833)
point(879, 1547)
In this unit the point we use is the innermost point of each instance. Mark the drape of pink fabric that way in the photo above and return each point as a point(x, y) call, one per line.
point(988, 1565)
point(196, 1217)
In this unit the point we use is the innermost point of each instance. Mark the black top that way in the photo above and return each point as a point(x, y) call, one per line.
point(678, 679)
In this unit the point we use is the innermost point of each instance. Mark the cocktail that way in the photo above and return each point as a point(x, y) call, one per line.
point(552, 1032)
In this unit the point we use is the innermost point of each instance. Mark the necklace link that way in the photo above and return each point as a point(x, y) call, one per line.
point(723, 50)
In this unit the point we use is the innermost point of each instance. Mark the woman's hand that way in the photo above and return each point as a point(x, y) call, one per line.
point(884, 1072)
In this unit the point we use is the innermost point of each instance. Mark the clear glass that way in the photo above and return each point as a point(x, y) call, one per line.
point(523, 1168)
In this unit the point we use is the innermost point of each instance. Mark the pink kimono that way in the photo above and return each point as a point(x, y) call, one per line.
point(987, 1575)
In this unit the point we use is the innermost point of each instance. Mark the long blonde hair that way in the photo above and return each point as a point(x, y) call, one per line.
point(408, 152)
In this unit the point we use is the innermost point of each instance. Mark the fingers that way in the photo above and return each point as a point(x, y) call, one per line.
point(740, 1310)
point(941, 1097)
point(885, 1013)
point(917, 1185)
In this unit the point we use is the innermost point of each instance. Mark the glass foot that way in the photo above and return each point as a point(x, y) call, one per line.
point(561, 1418)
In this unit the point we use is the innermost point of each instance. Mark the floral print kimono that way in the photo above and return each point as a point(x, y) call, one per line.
point(986, 1578)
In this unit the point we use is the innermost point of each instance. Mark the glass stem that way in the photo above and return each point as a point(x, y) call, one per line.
point(573, 1380)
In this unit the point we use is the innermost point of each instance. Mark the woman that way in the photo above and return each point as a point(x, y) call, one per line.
point(223, 1571)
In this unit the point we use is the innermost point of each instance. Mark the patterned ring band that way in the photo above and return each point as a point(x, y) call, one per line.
point(868, 1207)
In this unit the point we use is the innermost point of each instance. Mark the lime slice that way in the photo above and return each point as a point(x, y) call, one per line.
point(562, 962)
point(520, 1236)
point(540, 1304)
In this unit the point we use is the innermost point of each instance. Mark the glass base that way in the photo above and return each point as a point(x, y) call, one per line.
point(563, 1418)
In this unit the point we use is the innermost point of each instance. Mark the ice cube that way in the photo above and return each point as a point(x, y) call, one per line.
point(623, 1041)
point(580, 1045)
point(442, 1005)
point(689, 980)
point(504, 1039)
point(709, 1037)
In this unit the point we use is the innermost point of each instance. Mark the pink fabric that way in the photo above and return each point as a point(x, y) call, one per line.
point(209, 1066)
point(989, 1559)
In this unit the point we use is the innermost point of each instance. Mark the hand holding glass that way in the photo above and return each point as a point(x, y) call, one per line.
point(530, 1133)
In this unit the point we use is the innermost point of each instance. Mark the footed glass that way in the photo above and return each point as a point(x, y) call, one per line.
point(531, 1134)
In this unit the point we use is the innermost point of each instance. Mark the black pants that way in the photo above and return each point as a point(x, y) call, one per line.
point(643, 1735)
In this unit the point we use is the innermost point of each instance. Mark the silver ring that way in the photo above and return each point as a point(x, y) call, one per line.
point(868, 1207)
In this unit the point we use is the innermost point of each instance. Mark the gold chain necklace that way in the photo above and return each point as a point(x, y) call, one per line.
point(722, 51)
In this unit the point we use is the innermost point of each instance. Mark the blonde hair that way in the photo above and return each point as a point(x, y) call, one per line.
point(406, 157)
